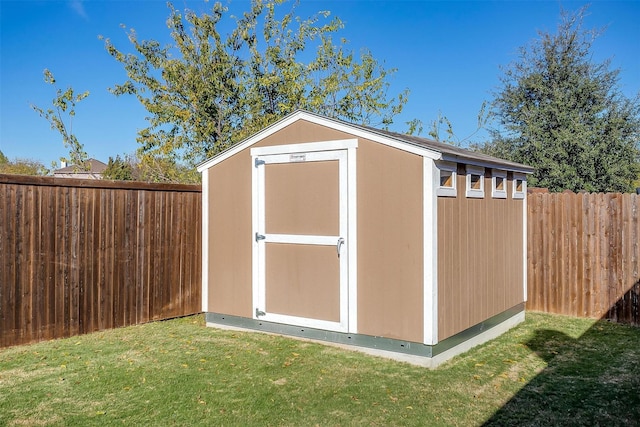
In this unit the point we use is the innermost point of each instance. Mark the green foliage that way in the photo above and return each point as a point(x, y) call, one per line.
point(448, 136)
point(415, 127)
point(207, 90)
point(156, 168)
point(147, 168)
point(21, 166)
point(565, 115)
point(119, 169)
point(64, 110)
point(435, 131)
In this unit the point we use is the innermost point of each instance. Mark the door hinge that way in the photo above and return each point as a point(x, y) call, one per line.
point(259, 313)
point(258, 162)
point(260, 237)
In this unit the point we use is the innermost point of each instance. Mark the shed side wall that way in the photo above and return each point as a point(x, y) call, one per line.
point(390, 245)
point(480, 257)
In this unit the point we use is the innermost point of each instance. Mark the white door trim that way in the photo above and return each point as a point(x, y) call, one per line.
point(307, 147)
point(301, 239)
point(344, 152)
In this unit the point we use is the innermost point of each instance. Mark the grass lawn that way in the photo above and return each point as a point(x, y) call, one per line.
point(551, 370)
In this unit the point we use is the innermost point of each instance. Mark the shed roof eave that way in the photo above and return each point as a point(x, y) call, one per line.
point(489, 163)
point(269, 130)
point(375, 135)
point(417, 145)
point(356, 130)
point(453, 153)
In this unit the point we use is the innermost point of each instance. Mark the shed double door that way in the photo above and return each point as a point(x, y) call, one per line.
point(301, 220)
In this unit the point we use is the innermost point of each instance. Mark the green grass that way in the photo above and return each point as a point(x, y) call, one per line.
point(551, 370)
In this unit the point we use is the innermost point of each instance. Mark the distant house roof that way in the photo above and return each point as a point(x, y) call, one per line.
point(434, 149)
point(96, 167)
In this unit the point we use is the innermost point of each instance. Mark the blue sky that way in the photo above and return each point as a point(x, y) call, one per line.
point(448, 53)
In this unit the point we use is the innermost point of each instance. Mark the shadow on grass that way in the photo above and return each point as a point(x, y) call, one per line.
point(592, 380)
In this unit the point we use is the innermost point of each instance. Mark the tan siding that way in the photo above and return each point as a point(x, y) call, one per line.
point(230, 236)
point(479, 258)
point(302, 132)
point(390, 252)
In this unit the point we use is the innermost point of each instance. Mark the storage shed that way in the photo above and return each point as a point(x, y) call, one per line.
point(404, 246)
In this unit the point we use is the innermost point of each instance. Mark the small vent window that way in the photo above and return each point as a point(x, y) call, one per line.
point(498, 184)
point(475, 182)
point(447, 184)
point(519, 185)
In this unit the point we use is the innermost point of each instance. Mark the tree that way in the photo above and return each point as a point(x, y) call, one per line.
point(21, 166)
point(208, 91)
point(565, 115)
point(416, 126)
point(64, 110)
point(155, 168)
point(119, 169)
point(149, 169)
point(435, 131)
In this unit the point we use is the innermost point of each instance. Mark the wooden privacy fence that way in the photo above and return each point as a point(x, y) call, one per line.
point(78, 256)
point(584, 255)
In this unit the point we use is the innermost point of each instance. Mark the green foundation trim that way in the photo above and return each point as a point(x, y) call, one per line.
point(368, 341)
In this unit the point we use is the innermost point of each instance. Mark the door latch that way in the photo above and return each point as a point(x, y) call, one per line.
point(339, 244)
point(260, 237)
point(259, 313)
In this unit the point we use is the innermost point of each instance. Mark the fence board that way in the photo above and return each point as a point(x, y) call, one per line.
point(80, 255)
point(587, 247)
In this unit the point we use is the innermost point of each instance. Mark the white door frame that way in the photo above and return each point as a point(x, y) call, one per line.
point(344, 152)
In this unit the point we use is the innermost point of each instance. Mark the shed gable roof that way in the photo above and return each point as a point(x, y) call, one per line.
point(413, 144)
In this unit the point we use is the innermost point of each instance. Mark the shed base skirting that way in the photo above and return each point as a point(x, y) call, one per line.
point(411, 352)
